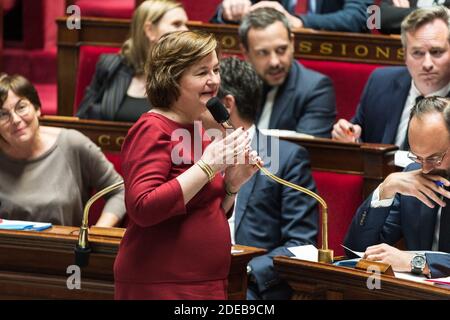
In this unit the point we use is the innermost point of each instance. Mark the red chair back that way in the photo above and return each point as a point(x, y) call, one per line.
point(348, 79)
point(343, 194)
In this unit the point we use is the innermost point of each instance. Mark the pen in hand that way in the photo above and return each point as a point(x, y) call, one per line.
point(351, 132)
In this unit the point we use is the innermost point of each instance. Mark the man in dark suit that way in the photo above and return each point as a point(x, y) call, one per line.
point(392, 12)
point(267, 214)
point(390, 93)
point(336, 15)
point(413, 205)
point(294, 97)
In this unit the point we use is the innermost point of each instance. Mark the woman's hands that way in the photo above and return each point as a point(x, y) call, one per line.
point(228, 151)
point(234, 155)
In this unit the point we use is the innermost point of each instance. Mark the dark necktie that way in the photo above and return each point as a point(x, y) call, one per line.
point(405, 144)
point(301, 7)
point(444, 230)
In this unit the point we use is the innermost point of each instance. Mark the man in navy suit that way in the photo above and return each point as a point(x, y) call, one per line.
point(414, 204)
point(294, 97)
point(390, 93)
point(267, 214)
point(336, 15)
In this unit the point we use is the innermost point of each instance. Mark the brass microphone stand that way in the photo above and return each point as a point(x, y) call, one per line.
point(82, 249)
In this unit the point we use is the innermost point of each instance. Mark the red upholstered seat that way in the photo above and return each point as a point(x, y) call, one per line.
point(348, 79)
point(39, 27)
point(122, 9)
point(87, 61)
point(343, 194)
point(200, 10)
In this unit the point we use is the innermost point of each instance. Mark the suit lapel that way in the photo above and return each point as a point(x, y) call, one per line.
point(398, 96)
point(426, 226)
point(258, 143)
point(284, 96)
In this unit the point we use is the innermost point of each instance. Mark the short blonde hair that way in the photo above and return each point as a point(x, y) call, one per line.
point(169, 58)
point(423, 16)
point(136, 48)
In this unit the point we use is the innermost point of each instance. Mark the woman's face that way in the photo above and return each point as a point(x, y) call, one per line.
point(18, 120)
point(199, 83)
point(173, 20)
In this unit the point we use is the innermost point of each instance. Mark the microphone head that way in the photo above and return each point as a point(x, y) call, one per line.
point(218, 110)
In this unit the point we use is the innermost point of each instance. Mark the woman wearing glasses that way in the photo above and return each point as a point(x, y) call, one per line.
point(47, 174)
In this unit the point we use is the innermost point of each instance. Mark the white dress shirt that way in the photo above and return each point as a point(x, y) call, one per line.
point(264, 120)
point(410, 101)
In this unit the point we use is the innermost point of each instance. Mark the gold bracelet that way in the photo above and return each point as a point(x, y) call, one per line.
point(229, 192)
point(206, 169)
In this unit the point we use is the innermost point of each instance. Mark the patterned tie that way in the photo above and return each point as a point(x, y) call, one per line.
point(444, 230)
point(301, 7)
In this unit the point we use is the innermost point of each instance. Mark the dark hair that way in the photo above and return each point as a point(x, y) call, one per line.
point(21, 88)
point(432, 104)
point(169, 58)
point(260, 19)
point(240, 80)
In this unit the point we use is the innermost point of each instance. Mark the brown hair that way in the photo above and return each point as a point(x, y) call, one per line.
point(21, 88)
point(421, 17)
point(169, 58)
point(136, 48)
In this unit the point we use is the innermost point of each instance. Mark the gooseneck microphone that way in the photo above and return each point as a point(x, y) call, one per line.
point(221, 115)
point(82, 248)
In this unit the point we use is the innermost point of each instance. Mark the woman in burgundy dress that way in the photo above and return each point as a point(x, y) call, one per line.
point(178, 185)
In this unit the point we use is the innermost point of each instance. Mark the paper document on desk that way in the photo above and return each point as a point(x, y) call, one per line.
point(441, 281)
point(401, 159)
point(285, 133)
point(357, 253)
point(23, 225)
point(308, 253)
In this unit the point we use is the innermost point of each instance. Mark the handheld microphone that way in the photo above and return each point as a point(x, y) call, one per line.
point(221, 115)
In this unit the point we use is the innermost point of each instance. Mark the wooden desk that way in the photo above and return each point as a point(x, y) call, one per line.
point(311, 280)
point(308, 44)
point(373, 161)
point(33, 265)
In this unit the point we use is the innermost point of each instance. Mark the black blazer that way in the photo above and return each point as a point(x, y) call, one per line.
point(381, 105)
point(305, 103)
point(332, 15)
point(108, 87)
point(392, 17)
point(274, 217)
point(406, 218)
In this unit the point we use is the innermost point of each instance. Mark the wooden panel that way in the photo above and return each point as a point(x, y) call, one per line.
point(34, 265)
point(311, 280)
point(309, 44)
point(373, 161)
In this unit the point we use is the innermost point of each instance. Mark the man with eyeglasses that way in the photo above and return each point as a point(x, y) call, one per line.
point(412, 205)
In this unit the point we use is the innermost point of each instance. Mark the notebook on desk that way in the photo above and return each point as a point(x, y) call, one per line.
point(23, 225)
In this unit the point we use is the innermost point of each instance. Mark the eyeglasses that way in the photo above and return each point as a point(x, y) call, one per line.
point(22, 109)
point(431, 161)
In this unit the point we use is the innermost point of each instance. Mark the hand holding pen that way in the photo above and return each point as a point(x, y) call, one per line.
point(346, 131)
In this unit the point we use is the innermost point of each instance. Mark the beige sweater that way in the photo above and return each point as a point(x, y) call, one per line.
point(55, 187)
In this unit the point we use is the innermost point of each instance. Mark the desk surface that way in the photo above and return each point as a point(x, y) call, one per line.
point(312, 280)
point(34, 264)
